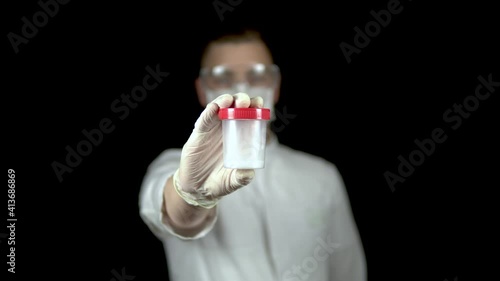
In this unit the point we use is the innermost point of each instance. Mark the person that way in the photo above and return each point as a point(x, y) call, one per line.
point(291, 220)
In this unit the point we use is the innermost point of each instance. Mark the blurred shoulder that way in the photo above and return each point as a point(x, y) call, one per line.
point(304, 162)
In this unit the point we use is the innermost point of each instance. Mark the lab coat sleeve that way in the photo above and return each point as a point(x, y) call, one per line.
point(348, 262)
point(151, 197)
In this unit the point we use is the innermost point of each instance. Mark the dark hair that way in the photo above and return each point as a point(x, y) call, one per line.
point(232, 34)
point(236, 35)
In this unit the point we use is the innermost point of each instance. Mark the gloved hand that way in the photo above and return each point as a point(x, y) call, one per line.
point(201, 178)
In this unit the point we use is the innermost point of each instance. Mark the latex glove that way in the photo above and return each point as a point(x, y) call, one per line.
point(201, 178)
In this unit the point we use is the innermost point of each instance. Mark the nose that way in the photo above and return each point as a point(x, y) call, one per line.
point(241, 87)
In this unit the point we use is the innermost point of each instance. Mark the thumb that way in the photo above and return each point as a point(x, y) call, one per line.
point(241, 177)
point(236, 179)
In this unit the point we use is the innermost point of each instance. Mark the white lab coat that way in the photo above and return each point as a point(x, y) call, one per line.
point(292, 222)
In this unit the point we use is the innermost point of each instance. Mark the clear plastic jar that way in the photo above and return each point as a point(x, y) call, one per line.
point(244, 137)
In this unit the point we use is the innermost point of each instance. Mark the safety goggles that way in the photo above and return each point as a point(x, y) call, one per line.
point(230, 76)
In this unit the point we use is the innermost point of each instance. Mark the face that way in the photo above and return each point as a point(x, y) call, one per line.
point(243, 66)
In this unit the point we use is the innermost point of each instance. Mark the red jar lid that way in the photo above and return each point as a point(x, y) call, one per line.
point(244, 113)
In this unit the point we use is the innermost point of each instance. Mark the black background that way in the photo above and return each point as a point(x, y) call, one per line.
point(436, 225)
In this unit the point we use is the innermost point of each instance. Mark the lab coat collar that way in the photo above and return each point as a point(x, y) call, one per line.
point(272, 142)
